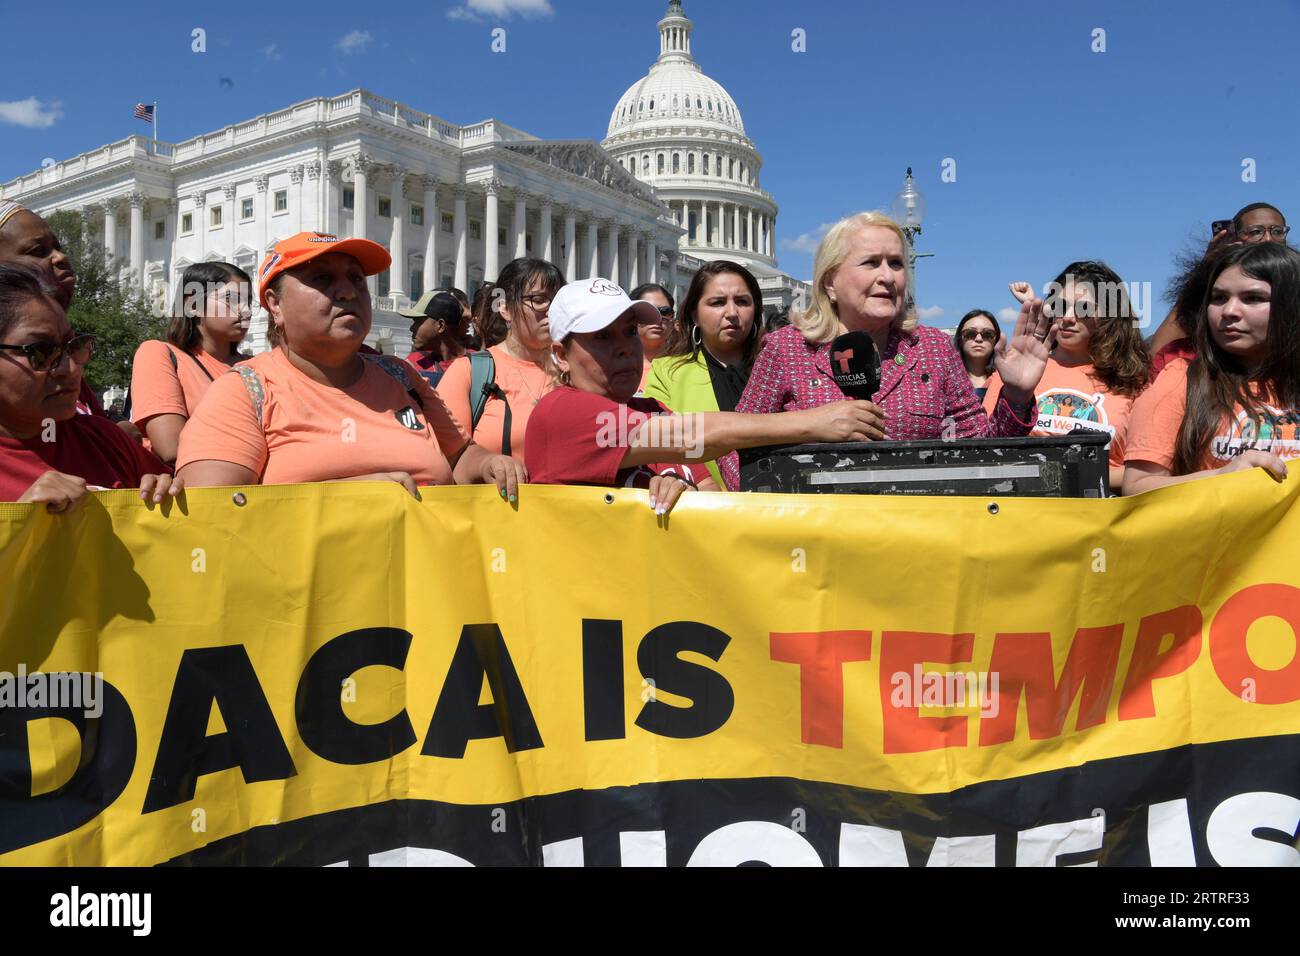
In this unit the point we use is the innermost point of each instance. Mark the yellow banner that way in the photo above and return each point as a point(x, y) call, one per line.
point(858, 666)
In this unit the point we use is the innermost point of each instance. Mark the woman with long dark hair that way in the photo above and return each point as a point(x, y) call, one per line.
point(1236, 405)
point(976, 341)
point(1098, 364)
point(515, 371)
point(719, 334)
point(168, 379)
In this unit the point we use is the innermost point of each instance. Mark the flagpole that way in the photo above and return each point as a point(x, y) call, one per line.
point(155, 125)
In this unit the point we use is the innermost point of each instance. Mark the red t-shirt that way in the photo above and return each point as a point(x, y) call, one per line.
point(577, 438)
point(429, 361)
point(87, 446)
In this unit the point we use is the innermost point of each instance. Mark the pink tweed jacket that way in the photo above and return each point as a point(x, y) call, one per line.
point(924, 389)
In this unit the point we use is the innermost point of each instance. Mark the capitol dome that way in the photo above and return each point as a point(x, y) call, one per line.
point(680, 131)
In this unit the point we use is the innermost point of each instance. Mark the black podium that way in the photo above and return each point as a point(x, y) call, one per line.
point(1073, 466)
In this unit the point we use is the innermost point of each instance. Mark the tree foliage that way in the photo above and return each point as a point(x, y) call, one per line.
point(119, 316)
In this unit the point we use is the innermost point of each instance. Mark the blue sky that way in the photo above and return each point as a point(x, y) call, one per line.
point(1060, 152)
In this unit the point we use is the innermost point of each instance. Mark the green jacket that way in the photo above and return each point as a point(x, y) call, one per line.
point(684, 387)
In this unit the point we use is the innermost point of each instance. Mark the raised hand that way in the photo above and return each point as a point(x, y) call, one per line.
point(1021, 359)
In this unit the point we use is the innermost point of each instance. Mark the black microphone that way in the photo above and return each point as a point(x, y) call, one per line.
point(855, 365)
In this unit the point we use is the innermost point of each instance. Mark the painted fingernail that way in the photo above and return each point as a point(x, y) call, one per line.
point(514, 498)
point(503, 492)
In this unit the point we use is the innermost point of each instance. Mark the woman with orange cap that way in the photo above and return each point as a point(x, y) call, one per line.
point(313, 408)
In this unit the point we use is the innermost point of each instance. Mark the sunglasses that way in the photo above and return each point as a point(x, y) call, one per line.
point(666, 311)
point(970, 335)
point(44, 356)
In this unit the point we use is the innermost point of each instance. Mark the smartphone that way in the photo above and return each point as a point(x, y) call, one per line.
point(1220, 225)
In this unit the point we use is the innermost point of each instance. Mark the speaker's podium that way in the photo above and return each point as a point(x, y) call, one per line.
point(1072, 466)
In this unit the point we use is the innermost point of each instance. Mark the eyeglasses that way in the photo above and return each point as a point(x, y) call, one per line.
point(538, 302)
point(970, 335)
point(44, 356)
point(1256, 233)
point(666, 311)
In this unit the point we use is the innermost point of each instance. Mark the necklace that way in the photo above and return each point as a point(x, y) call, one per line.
point(523, 380)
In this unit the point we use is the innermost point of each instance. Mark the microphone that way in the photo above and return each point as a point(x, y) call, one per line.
point(855, 365)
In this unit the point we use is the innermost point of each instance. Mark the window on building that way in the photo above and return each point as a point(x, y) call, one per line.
point(661, 164)
point(677, 162)
point(704, 164)
point(631, 165)
point(645, 165)
point(501, 237)
point(281, 200)
point(385, 207)
point(417, 215)
point(690, 162)
point(187, 224)
point(731, 169)
point(446, 279)
point(448, 222)
point(417, 282)
point(698, 104)
point(528, 244)
point(349, 198)
point(475, 229)
point(246, 209)
point(214, 217)
point(159, 229)
point(382, 284)
point(652, 105)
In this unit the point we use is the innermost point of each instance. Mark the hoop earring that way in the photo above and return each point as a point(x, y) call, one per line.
point(696, 339)
point(564, 378)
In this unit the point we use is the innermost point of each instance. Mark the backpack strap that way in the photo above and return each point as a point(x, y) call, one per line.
point(482, 386)
point(482, 379)
point(394, 369)
point(256, 392)
point(126, 408)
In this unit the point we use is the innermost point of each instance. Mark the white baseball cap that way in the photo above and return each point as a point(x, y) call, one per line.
point(590, 305)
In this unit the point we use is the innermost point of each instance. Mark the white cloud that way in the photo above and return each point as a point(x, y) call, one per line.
point(808, 241)
point(930, 313)
point(270, 52)
point(475, 10)
point(354, 42)
point(31, 113)
point(1009, 314)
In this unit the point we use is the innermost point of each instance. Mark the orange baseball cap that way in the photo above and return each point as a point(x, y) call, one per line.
point(306, 246)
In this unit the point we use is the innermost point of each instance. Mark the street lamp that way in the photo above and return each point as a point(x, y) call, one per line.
point(908, 210)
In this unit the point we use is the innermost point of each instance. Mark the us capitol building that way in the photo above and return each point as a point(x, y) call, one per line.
point(675, 183)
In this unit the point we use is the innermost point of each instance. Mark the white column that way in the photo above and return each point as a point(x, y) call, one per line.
point(719, 227)
point(295, 179)
point(749, 234)
point(520, 227)
point(200, 226)
point(652, 259)
point(491, 225)
point(545, 249)
point(110, 226)
point(460, 228)
point(735, 227)
point(672, 273)
point(432, 226)
point(633, 261)
point(593, 248)
point(229, 189)
point(330, 217)
point(570, 246)
point(360, 200)
point(702, 225)
point(611, 251)
point(314, 169)
point(771, 238)
point(264, 215)
point(137, 240)
point(397, 241)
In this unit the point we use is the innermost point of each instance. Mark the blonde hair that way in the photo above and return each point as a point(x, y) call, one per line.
point(820, 322)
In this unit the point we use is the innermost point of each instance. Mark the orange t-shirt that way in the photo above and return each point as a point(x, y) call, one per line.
point(1072, 399)
point(159, 389)
point(1158, 415)
point(314, 432)
point(524, 384)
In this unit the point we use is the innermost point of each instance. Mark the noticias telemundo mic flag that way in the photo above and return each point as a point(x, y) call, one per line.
point(792, 680)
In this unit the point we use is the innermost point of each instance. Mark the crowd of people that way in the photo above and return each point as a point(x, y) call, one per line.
point(539, 381)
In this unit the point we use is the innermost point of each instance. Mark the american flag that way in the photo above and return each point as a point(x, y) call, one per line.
point(144, 111)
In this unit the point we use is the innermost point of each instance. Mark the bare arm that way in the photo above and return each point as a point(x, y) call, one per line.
point(704, 436)
point(1169, 331)
point(164, 434)
point(1140, 476)
point(215, 474)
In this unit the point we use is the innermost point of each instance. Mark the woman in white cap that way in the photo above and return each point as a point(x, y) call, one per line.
point(590, 430)
point(313, 409)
